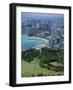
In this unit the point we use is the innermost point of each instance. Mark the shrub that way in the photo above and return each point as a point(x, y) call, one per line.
point(41, 74)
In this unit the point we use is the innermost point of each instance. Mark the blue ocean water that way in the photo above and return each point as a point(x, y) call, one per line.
point(28, 42)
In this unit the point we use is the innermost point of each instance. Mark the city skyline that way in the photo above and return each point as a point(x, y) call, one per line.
point(51, 29)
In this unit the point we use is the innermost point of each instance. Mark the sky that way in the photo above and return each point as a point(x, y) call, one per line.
point(40, 15)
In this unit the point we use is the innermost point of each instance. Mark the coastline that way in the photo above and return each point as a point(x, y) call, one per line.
point(35, 38)
point(39, 46)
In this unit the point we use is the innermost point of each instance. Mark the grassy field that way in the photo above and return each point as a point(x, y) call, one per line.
point(31, 69)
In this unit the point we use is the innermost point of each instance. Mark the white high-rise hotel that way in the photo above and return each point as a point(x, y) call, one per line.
point(56, 39)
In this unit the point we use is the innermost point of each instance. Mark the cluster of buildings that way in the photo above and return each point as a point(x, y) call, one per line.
point(53, 32)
